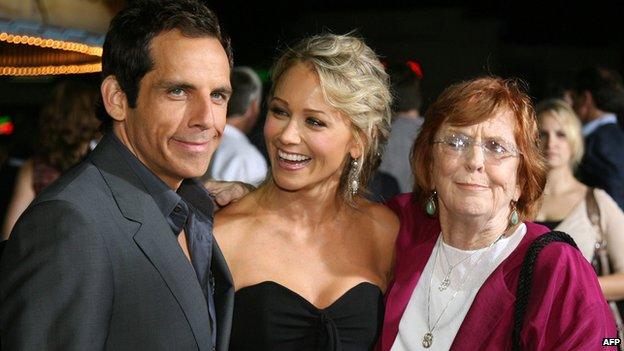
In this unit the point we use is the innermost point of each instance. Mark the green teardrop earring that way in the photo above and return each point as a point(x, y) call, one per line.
point(514, 218)
point(430, 206)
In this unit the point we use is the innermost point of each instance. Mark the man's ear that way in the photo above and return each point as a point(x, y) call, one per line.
point(588, 99)
point(114, 99)
point(253, 109)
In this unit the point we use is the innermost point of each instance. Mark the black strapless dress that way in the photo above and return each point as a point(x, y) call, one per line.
point(270, 317)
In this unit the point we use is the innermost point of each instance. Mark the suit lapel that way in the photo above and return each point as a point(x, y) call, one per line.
point(224, 297)
point(159, 245)
point(223, 283)
point(154, 238)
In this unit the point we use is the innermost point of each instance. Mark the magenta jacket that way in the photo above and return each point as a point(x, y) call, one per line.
point(567, 310)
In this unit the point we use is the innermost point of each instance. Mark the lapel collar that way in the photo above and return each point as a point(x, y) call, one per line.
point(125, 186)
point(194, 192)
point(224, 297)
point(412, 256)
point(495, 299)
point(160, 246)
point(154, 237)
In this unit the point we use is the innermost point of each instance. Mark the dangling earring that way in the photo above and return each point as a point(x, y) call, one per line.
point(354, 182)
point(430, 206)
point(514, 218)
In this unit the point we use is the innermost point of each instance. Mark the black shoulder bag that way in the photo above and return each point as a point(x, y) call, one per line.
point(526, 275)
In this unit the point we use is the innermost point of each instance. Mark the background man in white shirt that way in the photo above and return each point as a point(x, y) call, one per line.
point(237, 159)
point(406, 123)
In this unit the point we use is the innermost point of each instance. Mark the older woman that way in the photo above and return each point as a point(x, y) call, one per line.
point(310, 257)
point(464, 235)
point(565, 205)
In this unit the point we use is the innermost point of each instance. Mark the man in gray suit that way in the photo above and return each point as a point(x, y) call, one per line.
point(118, 254)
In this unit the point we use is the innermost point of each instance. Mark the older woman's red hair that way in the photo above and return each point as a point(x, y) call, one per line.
point(475, 101)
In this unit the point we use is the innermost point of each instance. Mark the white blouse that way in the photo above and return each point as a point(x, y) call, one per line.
point(473, 266)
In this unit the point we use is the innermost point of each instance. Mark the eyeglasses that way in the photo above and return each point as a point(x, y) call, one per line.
point(494, 149)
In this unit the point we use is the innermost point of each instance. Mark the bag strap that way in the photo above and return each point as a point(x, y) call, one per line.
point(600, 261)
point(593, 212)
point(523, 291)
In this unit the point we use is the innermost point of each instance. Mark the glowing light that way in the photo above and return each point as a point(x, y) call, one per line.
point(49, 70)
point(6, 126)
point(50, 43)
point(41, 65)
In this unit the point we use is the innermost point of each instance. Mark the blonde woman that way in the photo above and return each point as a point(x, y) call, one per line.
point(310, 257)
point(564, 207)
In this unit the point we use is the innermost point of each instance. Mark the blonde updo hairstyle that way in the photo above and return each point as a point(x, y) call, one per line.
point(354, 82)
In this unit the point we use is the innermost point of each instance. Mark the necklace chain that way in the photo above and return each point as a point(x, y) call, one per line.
point(446, 282)
point(428, 337)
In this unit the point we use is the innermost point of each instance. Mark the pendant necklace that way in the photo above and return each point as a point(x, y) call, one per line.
point(427, 340)
point(446, 281)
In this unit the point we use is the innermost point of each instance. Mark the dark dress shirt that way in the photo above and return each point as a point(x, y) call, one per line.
point(180, 214)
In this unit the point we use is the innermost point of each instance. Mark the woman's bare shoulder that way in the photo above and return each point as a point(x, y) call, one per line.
point(243, 207)
point(382, 224)
point(233, 220)
point(379, 213)
point(381, 220)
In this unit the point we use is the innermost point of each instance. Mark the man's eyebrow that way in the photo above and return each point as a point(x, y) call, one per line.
point(227, 90)
point(168, 84)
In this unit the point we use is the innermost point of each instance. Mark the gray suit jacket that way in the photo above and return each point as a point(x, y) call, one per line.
point(93, 265)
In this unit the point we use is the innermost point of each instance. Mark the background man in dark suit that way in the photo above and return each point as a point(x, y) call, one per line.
point(118, 254)
point(598, 98)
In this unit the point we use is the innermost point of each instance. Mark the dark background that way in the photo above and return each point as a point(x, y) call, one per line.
point(541, 43)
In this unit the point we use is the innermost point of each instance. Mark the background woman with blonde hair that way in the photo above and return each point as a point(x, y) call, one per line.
point(567, 202)
point(309, 256)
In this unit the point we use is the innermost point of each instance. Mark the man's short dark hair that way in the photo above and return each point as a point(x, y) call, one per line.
point(604, 84)
point(246, 87)
point(127, 45)
point(405, 88)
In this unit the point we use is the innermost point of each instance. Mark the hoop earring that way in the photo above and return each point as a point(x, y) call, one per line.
point(514, 218)
point(354, 182)
point(430, 206)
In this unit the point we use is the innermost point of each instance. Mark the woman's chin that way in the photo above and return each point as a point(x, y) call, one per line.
point(557, 163)
point(472, 210)
point(473, 214)
point(287, 186)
